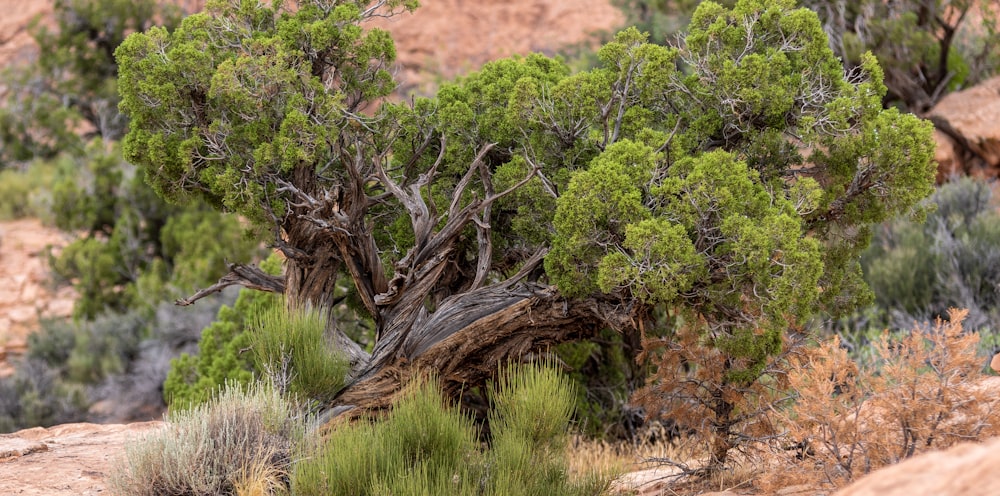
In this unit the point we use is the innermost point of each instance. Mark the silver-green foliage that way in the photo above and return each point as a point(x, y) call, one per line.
point(213, 448)
point(918, 270)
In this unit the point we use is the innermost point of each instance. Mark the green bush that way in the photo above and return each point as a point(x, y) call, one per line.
point(138, 250)
point(238, 443)
point(223, 354)
point(117, 360)
point(425, 447)
point(86, 352)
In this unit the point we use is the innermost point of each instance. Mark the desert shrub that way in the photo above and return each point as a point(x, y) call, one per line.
point(291, 350)
point(921, 393)
point(56, 102)
point(918, 270)
point(137, 392)
point(111, 368)
point(36, 396)
point(24, 193)
point(423, 446)
point(241, 439)
point(86, 352)
point(137, 249)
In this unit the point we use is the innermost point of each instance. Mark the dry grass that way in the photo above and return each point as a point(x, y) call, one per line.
point(584, 455)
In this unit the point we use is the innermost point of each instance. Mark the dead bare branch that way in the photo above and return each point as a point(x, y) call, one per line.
point(243, 275)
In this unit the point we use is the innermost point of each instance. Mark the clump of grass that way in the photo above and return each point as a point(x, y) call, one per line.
point(239, 443)
point(424, 446)
point(530, 424)
point(291, 348)
point(421, 444)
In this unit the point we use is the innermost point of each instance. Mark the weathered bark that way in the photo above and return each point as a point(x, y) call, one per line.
point(471, 335)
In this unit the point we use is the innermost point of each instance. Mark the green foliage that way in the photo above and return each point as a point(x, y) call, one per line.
point(663, 224)
point(733, 177)
point(929, 47)
point(425, 447)
point(138, 250)
point(291, 350)
point(34, 395)
point(72, 86)
point(254, 92)
point(238, 443)
point(87, 352)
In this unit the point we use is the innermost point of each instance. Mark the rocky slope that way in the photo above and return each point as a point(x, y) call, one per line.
point(26, 293)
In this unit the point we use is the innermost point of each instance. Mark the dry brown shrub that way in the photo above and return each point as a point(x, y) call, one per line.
point(696, 385)
point(921, 393)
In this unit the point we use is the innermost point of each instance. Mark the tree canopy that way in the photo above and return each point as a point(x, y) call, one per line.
point(733, 177)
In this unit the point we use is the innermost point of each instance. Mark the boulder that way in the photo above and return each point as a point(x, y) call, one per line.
point(967, 469)
point(948, 156)
point(969, 118)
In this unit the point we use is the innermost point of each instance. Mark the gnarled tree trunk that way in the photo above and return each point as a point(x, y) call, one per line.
point(470, 336)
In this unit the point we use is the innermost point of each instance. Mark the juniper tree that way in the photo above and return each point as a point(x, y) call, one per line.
point(734, 176)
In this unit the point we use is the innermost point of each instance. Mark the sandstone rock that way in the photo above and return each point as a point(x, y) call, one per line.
point(66, 460)
point(970, 118)
point(15, 42)
point(797, 490)
point(948, 155)
point(650, 482)
point(17, 447)
point(995, 363)
point(968, 469)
